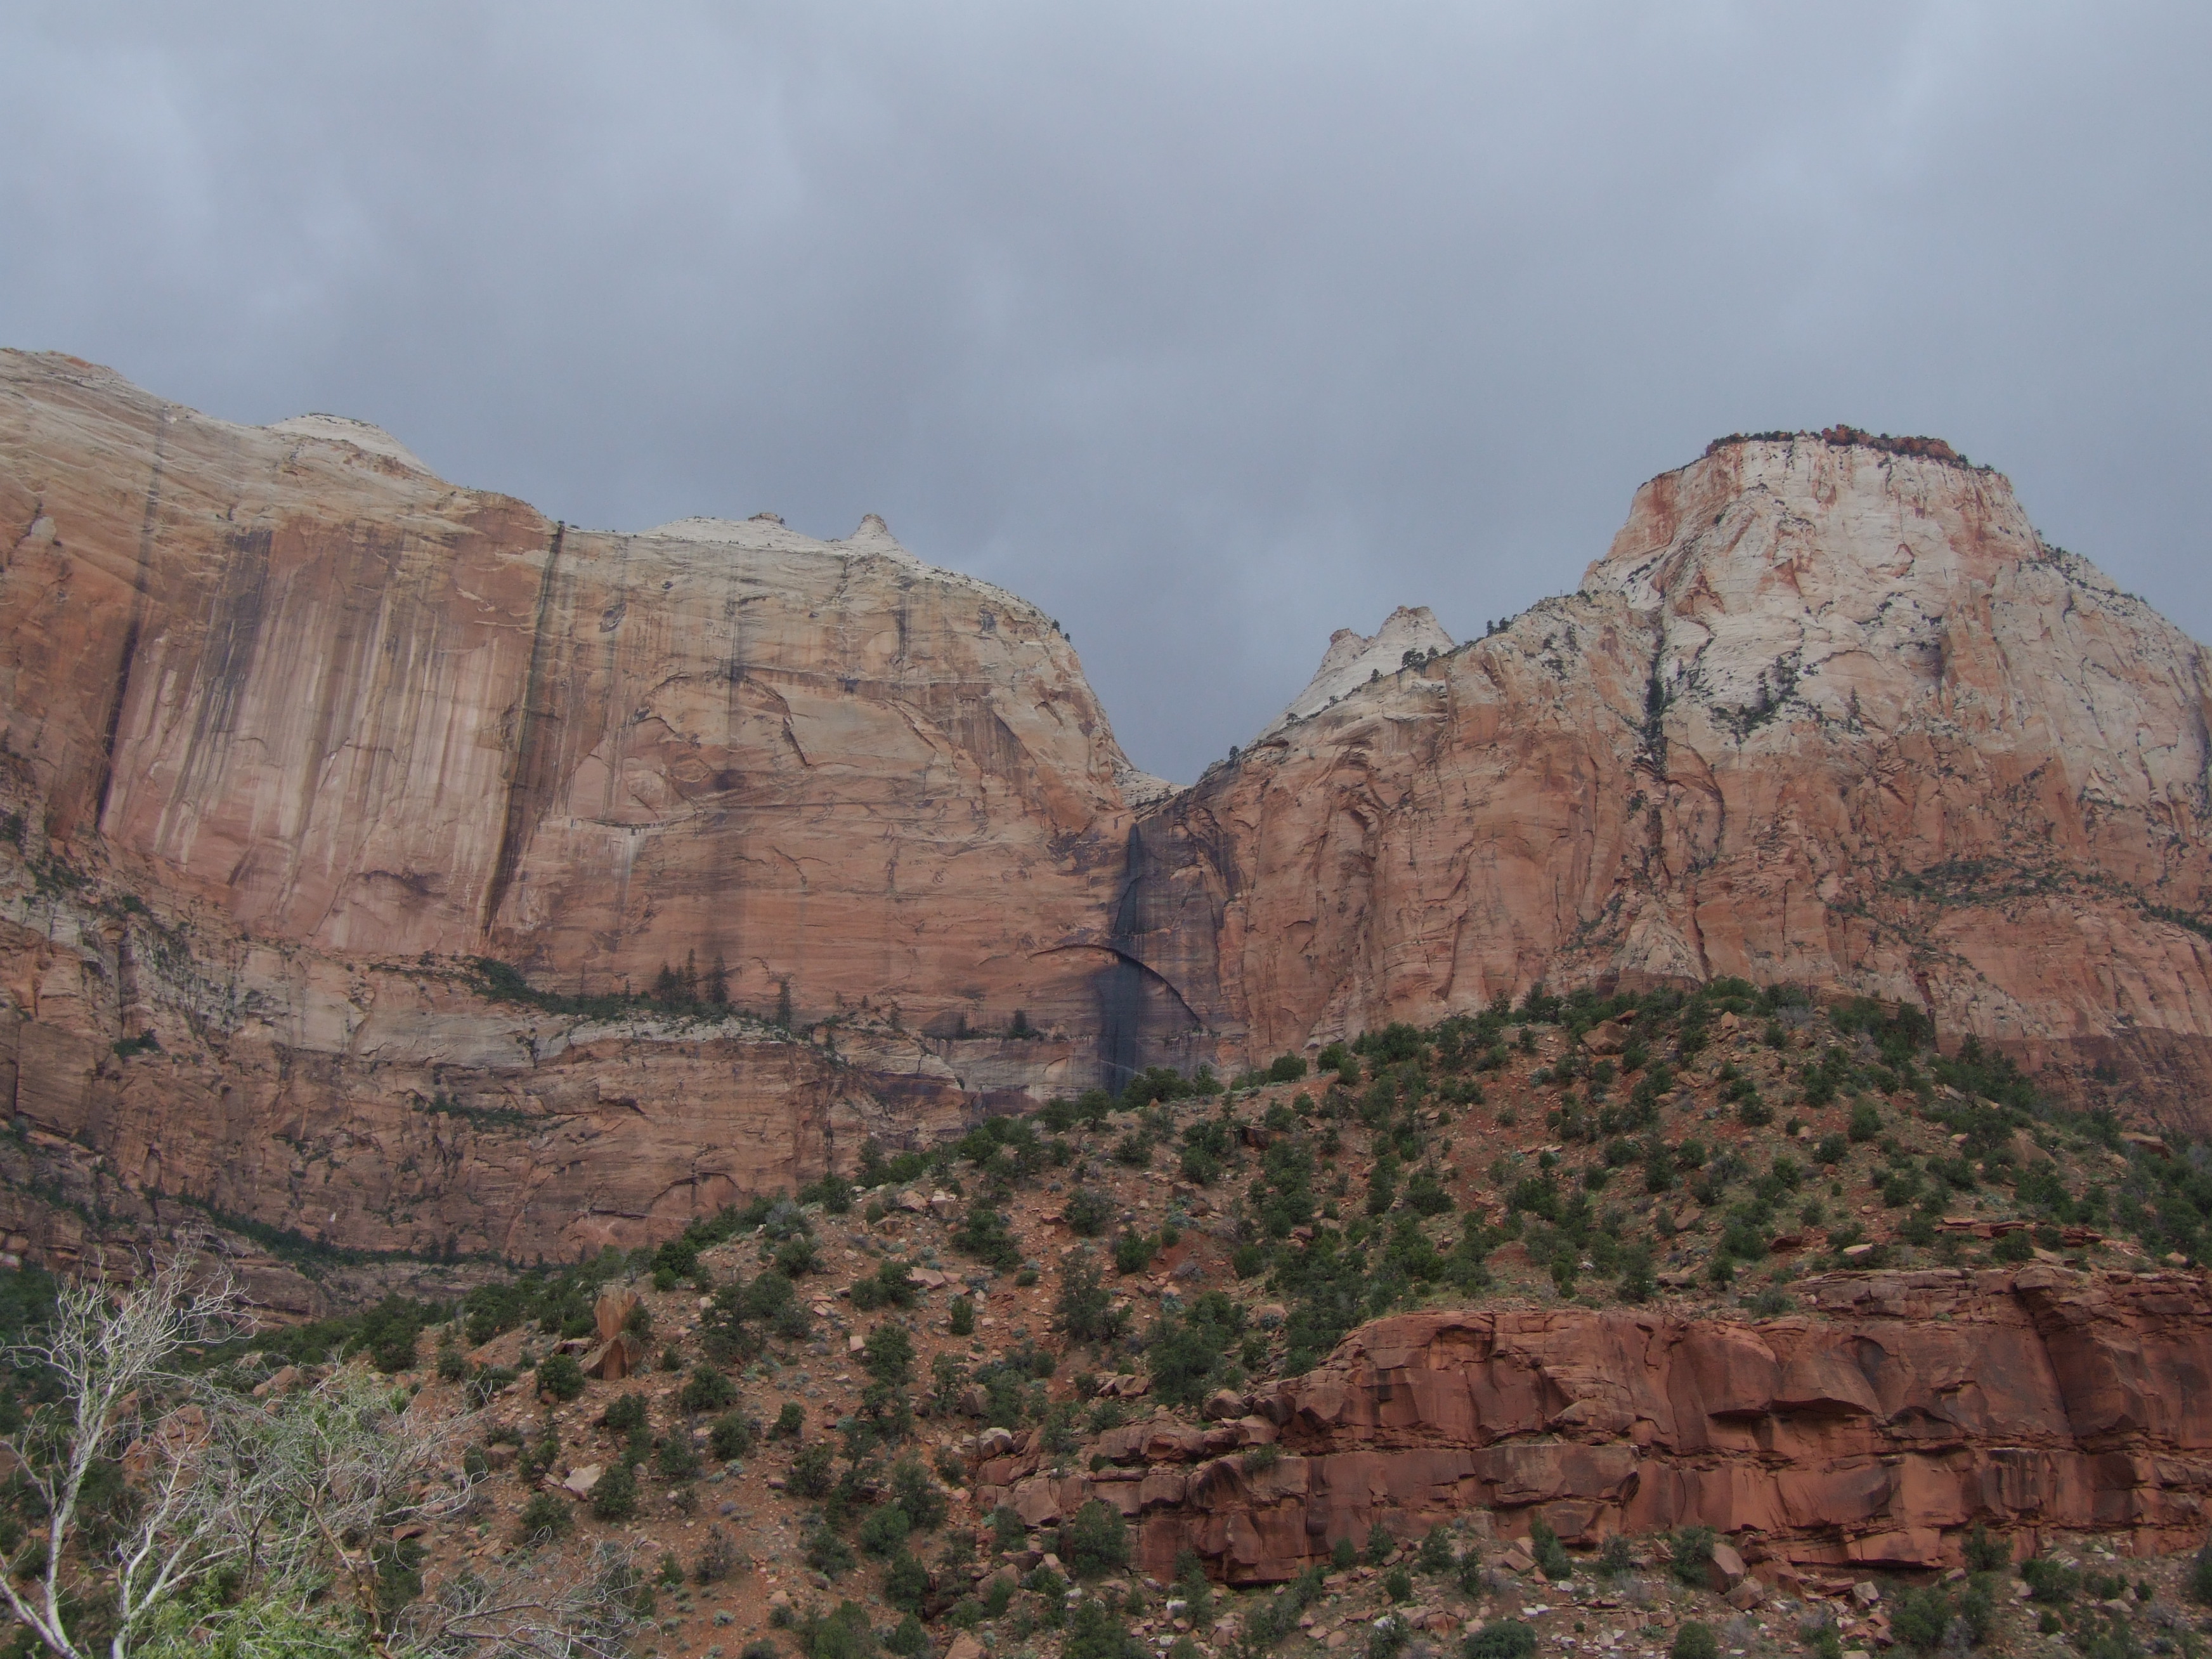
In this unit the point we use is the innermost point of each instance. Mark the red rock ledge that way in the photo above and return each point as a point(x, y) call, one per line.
point(1873, 1429)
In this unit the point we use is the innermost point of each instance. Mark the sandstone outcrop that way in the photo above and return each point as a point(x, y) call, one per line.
point(1826, 712)
point(1354, 659)
point(1875, 1430)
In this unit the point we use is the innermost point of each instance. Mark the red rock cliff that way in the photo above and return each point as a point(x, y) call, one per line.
point(1825, 712)
point(1876, 1431)
point(292, 729)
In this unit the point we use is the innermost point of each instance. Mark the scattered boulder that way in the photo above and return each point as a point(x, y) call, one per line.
point(1606, 1037)
point(1726, 1569)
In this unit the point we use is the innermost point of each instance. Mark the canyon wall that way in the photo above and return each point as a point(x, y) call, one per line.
point(302, 684)
point(1872, 1432)
point(1825, 712)
point(293, 735)
point(292, 731)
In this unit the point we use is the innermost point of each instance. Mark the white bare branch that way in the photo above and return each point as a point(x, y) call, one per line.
point(305, 1495)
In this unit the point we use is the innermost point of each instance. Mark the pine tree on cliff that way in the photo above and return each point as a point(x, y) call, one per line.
point(718, 983)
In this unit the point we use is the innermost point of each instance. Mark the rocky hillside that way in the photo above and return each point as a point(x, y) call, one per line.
point(1582, 1322)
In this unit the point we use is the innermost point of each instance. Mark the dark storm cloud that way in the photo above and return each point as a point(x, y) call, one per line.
point(1210, 329)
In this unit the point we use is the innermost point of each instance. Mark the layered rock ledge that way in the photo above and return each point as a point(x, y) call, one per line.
point(1874, 1430)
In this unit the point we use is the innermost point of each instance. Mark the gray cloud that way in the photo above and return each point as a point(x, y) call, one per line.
point(1210, 329)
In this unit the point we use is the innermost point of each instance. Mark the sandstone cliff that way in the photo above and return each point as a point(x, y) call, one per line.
point(1873, 1434)
point(1824, 712)
point(1354, 659)
point(292, 732)
point(291, 678)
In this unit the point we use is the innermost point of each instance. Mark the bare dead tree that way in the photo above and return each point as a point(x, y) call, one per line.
point(297, 1499)
point(111, 1356)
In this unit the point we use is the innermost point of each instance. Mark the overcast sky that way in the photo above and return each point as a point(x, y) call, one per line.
point(1209, 328)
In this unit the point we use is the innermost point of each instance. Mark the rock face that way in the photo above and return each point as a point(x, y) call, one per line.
point(290, 676)
point(1354, 659)
point(293, 734)
point(1825, 712)
point(1875, 1433)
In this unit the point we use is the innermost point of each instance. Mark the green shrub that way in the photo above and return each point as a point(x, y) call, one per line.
point(889, 1354)
point(1095, 1631)
point(917, 1496)
point(1551, 1559)
point(809, 1474)
point(909, 1640)
point(1694, 1641)
point(1095, 1542)
point(544, 1517)
point(1866, 1122)
point(1381, 1546)
point(844, 1634)
point(1398, 1584)
point(797, 1257)
point(961, 1321)
point(1085, 1309)
point(615, 1496)
point(2015, 1247)
point(706, 1390)
point(828, 1553)
point(560, 1375)
point(2049, 1581)
point(677, 1459)
point(906, 1585)
point(984, 1233)
point(1615, 1558)
point(1501, 1638)
point(789, 1422)
point(1133, 1252)
point(2200, 1574)
point(1985, 1551)
point(625, 1413)
point(1087, 1213)
point(1919, 1616)
point(732, 1436)
point(1690, 1552)
point(1344, 1556)
point(884, 1531)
